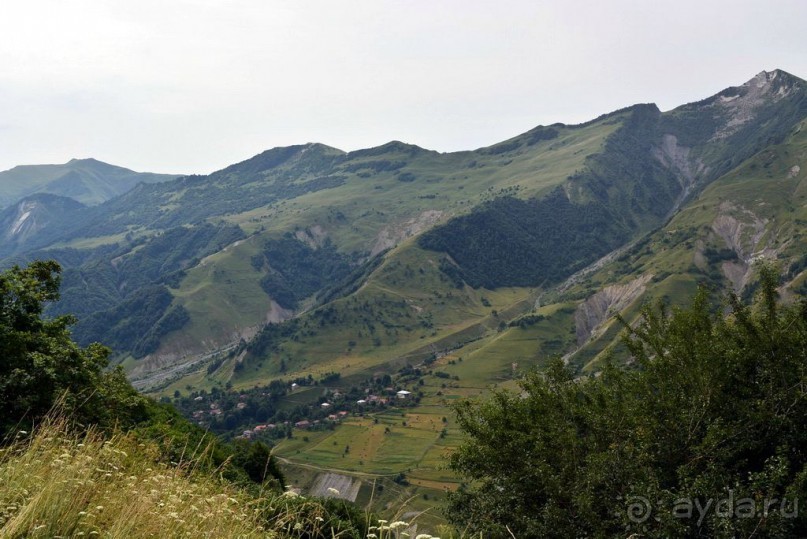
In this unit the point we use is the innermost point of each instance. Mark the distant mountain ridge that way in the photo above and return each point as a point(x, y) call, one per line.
point(242, 246)
point(88, 181)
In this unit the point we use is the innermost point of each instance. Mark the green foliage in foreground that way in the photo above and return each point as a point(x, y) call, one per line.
point(42, 368)
point(40, 361)
point(693, 442)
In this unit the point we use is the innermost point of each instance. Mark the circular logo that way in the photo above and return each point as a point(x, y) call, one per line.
point(639, 509)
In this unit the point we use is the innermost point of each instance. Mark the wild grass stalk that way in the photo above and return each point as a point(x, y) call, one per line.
point(57, 483)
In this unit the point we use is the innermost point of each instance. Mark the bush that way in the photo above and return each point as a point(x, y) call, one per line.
point(40, 363)
point(714, 407)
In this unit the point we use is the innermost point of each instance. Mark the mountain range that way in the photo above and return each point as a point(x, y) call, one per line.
point(447, 273)
point(88, 181)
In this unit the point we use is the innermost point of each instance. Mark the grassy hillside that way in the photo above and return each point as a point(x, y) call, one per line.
point(288, 202)
point(55, 483)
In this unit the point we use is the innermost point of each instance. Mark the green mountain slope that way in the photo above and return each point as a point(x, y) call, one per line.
point(359, 204)
point(755, 212)
point(387, 256)
point(362, 221)
point(86, 180)
point(646, 169)
point(401, 268)
point(271, 237)
point(631, 186)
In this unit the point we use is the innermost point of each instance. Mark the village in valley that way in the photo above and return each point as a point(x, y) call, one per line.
point(265, 412)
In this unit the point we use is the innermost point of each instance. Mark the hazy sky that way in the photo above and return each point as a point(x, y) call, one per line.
point(194, 85)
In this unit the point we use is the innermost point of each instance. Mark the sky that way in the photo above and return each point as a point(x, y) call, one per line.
point(191, 86)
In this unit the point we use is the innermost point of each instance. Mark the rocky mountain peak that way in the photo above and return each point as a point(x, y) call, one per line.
point(775, 84)
point(741, 104)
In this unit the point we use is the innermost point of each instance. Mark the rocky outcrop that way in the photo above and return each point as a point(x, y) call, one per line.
point(594, 311)
point(742, 231)
point(391, 236)
point(740, 107)
point(677, 158)
point(28, 216)
point(314, 236)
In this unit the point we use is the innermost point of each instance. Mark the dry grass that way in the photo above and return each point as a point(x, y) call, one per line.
point(54, 483)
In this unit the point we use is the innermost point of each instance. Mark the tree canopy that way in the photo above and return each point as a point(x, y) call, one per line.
point(41, 367)
point(40, 363)
point(702, 436)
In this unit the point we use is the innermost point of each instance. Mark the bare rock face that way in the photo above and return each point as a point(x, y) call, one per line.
point(591, 314)
point(314, 236)
point(391, 236)
point(277, 313)
point(677, 158)
point(737, 273)
point(742, 231)
point(24, 219)
point(741, 106)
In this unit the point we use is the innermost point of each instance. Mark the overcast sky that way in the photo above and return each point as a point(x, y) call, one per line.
point(190, 86)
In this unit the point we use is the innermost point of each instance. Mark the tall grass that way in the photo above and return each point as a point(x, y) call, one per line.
point(55, 483)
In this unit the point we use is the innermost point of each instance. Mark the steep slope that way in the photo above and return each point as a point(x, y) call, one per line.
point(647, 168)
point(86, 180)
point(21, 221)
point(288, 201)
point(314, 233)
point(525, 235)
point(412, 189)
point(755, 212)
